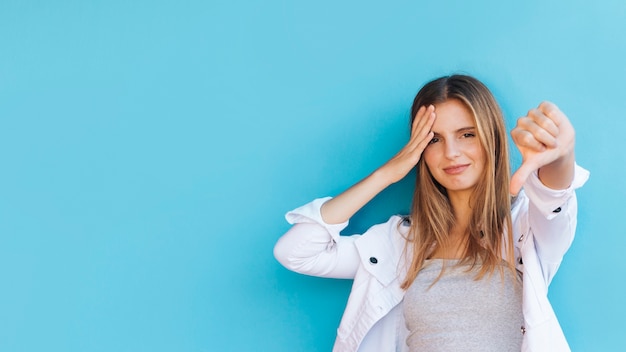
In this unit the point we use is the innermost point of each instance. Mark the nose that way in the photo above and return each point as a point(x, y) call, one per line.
point(452, 149)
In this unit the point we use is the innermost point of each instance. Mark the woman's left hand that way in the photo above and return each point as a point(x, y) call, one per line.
point(545, 138)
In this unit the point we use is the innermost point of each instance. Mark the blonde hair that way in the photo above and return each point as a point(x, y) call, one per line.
point(431, 215)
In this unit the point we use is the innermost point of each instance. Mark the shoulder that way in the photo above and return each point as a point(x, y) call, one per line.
point(381, 247)
point(387, 238)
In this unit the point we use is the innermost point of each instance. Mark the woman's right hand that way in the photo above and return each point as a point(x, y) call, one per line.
point(403, 162)
point(341, 208)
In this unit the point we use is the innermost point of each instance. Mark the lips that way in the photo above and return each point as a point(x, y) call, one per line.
point(455, 169)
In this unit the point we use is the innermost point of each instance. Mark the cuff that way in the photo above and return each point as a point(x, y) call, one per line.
point(549, 201)
point(310, 213)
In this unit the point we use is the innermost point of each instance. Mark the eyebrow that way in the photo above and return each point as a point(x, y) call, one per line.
point(460, 130)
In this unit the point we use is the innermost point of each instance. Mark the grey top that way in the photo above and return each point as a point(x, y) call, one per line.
point(459, 313)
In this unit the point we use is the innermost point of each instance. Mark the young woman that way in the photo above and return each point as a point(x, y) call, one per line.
point(469, 268)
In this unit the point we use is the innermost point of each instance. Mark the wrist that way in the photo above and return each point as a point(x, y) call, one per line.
point(385, 176)
point(559, 173)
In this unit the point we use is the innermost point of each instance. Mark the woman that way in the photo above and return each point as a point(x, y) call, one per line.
point(451, 276)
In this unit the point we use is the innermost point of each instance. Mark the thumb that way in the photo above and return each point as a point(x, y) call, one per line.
point(519, 178)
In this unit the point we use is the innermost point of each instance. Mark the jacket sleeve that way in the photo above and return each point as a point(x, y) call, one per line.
point(313, 247)
point(552, 219)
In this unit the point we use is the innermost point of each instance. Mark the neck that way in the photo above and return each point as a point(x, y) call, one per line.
point(457, 237)
point(460, 202)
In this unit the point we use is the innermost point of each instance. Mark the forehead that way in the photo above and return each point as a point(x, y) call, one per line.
point(452, 115)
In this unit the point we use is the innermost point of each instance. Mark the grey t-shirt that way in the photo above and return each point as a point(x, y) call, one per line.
point(460, 313)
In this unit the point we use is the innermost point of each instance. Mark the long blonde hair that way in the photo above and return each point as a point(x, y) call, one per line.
point(432, 217)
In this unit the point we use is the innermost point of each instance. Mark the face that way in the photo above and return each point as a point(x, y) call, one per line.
point(455, 156)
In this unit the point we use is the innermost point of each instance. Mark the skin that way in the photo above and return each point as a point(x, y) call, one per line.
point(456, 159)
point(454, 156)
point(545, 138)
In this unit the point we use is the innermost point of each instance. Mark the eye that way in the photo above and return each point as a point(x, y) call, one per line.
point(469, 135)
point(434, 140)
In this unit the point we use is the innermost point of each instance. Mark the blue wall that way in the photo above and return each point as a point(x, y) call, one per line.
point(149, 150)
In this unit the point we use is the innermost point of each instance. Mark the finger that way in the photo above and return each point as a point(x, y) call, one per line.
point(424, 124)
point(421, 117)
point(566, 131)
point(544, 121)
point(525, 140)
point(416, 117)
point(421, 112)
point(528, 125)
point(552, 111)
point(519, 178)
point(424, 142)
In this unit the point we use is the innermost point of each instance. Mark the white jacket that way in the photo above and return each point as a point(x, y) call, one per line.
point(544, 222)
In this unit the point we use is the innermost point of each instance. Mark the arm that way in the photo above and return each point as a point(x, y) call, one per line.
point(342, 207)
point(306, 249)
point(552, 217)
point(313, 245)
point(545, 138)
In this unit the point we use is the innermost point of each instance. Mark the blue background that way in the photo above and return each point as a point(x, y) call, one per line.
point(149, 150)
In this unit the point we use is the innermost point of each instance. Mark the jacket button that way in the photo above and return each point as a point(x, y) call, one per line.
point(520, 261)
point(557, 210)
point(373, 260)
